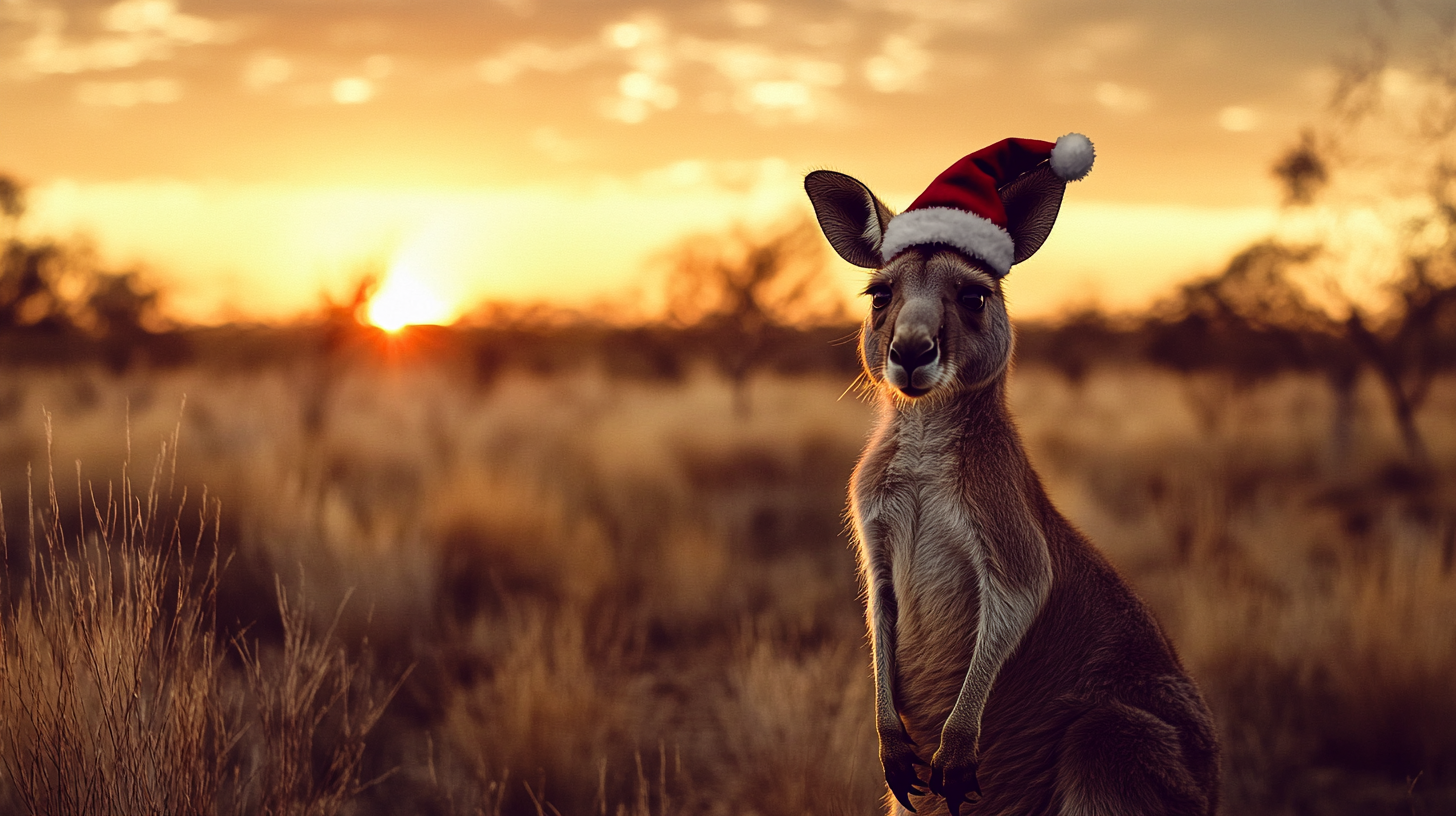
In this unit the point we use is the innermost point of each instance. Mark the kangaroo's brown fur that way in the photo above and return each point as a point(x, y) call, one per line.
point(1010, 657)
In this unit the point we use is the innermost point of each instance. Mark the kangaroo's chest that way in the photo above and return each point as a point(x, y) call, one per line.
point(924, 530)
point(929, 533)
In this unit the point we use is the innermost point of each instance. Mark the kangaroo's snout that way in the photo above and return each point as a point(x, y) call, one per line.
point(915, 346)
point(914, 353)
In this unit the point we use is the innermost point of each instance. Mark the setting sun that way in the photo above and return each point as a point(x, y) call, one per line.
point(405, 301)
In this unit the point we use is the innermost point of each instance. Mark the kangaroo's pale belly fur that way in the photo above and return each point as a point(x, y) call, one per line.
point(933, 569)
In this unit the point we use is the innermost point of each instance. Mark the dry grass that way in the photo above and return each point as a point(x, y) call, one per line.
point(110, 675)
point(624, 597)
point(116, 687)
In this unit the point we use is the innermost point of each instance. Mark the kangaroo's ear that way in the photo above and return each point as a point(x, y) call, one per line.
point(852, 218)
point(1032, 201)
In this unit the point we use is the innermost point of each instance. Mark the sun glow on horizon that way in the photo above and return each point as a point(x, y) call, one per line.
point(404, 300)
point(421, 286)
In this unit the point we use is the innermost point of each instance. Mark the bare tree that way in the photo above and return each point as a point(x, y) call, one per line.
point(12, 199)
point(743, 290)
point(1408, 345)
point(63, 288)
point(1387, 144)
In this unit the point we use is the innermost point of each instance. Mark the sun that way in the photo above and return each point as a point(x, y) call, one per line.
point(404, 300)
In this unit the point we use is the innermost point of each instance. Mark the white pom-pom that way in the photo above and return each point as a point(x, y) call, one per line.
point(1072, 157)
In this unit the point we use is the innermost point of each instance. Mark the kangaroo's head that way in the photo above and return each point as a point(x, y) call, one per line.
point(937, 322)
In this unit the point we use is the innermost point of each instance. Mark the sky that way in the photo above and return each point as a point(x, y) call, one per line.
point(253, 156)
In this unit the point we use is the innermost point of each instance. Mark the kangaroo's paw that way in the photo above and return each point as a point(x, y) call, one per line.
point(897, 755)
point(953, 777)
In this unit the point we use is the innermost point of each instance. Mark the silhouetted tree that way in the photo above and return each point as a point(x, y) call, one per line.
point(1252, 318)
point(1302, 171)
point(1409, 344)
point(28, 296)
point(1381, 141)
point(12, 199)
point(62, 291)
point(1255, 320)
point(743, 291)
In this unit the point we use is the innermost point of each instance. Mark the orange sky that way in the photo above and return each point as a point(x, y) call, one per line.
point(253, 155)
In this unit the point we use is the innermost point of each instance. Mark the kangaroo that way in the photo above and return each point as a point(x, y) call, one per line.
point(1006, 649)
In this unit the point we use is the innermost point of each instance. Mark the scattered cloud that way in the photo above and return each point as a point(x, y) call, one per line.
point(646, 47)
point(900, 65)
point(508, 65)
point(352, 90)
point(1238, 119)
point(131, 32)
point(768, 84)
point(746, 14)
point(1122, 98)
point(959, 13)
point(266, 70)
point(751, 77)
point(639, 93)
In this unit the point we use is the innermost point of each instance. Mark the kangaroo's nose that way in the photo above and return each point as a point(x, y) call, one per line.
point(913, 354)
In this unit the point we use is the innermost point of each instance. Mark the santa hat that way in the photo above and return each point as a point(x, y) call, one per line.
point(963, 208)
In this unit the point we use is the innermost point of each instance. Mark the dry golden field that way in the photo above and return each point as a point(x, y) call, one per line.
point(589, 594)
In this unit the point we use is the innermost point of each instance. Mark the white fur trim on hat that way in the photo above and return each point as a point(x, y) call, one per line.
point(966, 231)
point(1072, 157)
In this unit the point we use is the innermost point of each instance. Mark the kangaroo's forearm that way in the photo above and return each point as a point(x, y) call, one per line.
point(1007, 612)
point(882, 612)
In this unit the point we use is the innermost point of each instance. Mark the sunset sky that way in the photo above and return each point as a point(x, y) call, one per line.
point(253, 155)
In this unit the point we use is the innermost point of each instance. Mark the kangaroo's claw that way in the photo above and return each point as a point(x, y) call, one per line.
point(954, 786)
point(899, 760)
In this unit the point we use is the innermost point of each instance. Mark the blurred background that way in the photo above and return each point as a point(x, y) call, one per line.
point(447, 407)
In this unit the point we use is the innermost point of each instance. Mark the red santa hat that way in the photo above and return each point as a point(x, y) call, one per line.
point(963, 208)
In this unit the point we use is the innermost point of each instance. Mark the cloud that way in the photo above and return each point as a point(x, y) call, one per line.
point(132, 32)
point(958, 13)
point(1122, 98)
point(638, 94)
point(900, 65)
point(266, 70)
point(158, 17)
point(352, 90)
point(654, 62)
point(746, 14)
point(1238, 119)
point(765, 83)
point(508, 65)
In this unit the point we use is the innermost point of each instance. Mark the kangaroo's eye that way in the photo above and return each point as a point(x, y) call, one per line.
point(879, 296)
point(974, 298)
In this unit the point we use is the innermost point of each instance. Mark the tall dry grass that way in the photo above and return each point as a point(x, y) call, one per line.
point(119, 693)
point(619, 596)
point(111, 682)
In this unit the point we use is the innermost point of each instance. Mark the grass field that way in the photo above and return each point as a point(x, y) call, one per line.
point(587, 594)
